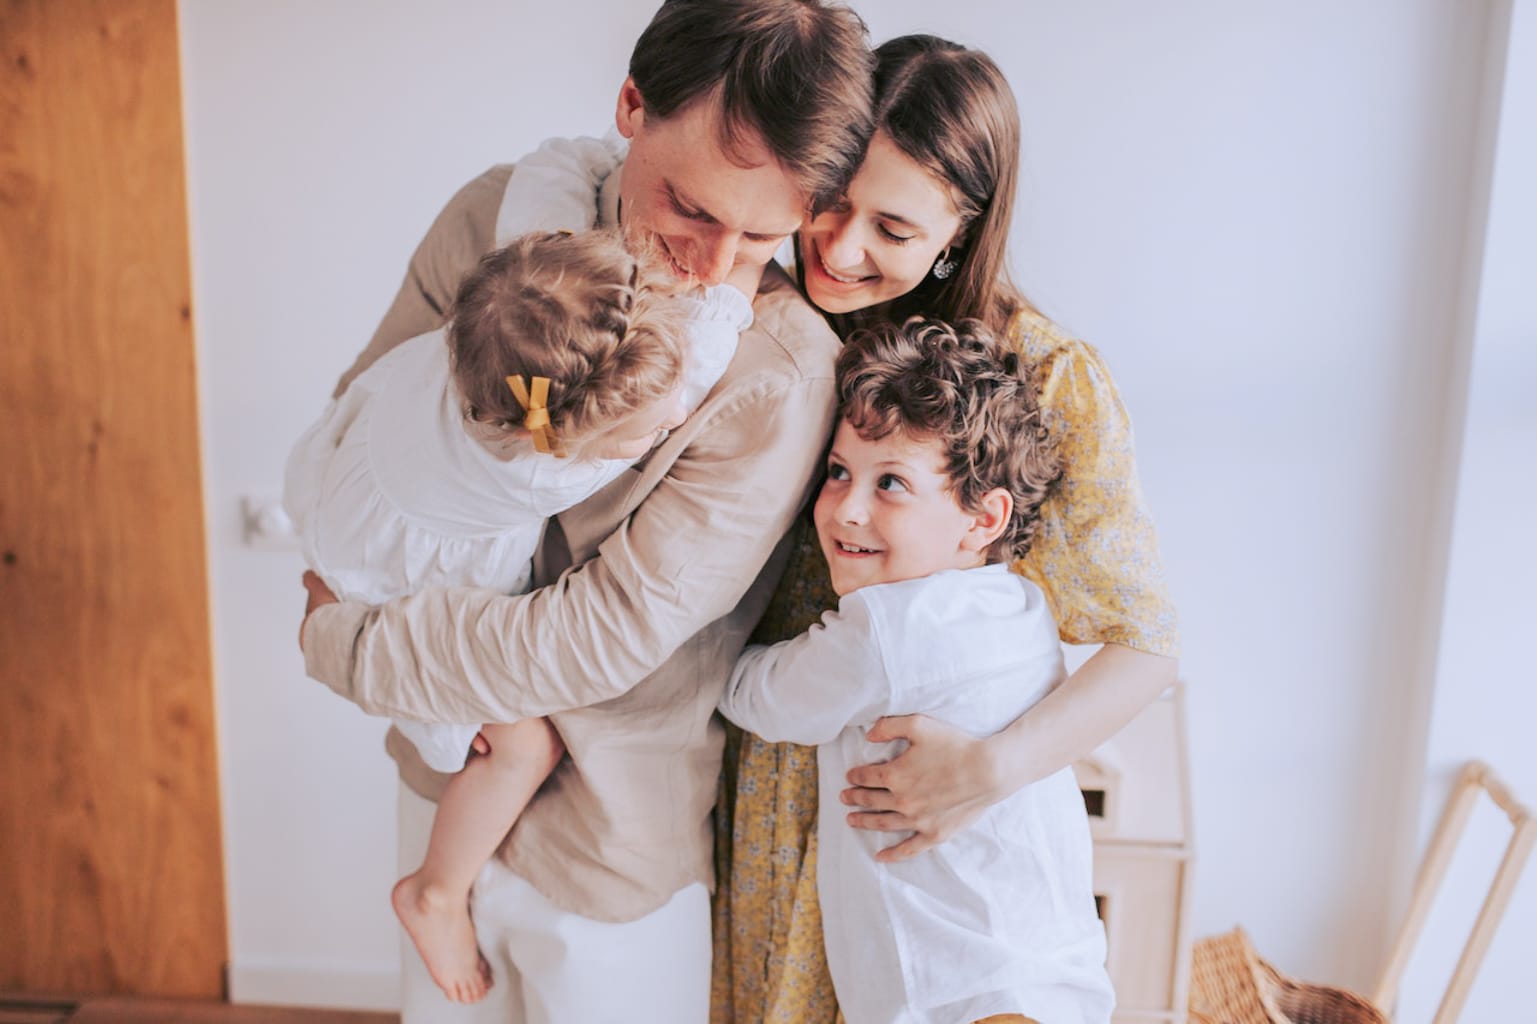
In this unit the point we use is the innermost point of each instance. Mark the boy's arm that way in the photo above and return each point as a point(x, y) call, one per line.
point(683, 559)
point(809, 689)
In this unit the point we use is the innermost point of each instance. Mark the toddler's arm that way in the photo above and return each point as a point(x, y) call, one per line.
point(809, 689)
point(463, 233)
point(555, 187)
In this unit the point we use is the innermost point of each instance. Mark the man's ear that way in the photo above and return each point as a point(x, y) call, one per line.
point(990, 520)
point(630, 113)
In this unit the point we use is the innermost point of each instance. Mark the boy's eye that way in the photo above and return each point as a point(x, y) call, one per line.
point(888, 482)
point(836, 471)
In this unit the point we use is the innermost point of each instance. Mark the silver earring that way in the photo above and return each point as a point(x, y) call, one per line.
point(945, 266)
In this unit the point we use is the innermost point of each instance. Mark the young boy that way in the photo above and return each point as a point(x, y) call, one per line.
point(936, 471)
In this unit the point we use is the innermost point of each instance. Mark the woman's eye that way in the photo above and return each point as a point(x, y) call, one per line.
point(892, 236)
point(888, 482)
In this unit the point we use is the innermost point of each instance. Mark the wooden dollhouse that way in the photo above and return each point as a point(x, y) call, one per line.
point(1136, 787)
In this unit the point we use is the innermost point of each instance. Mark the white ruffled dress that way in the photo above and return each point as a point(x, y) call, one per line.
point(391, 493)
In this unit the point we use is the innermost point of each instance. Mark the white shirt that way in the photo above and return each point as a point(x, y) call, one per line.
point(999, 919)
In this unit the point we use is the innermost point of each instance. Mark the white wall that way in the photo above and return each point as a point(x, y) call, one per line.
point(1255, 211)
point(1484, 702)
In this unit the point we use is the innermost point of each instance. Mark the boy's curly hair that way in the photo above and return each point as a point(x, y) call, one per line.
point(579, 309)
point(961, 387)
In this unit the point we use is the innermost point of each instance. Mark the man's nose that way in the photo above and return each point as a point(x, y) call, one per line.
point(713, 258)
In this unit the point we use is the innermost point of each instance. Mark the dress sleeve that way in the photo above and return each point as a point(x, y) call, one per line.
point(809, 689)
point(555, 187)
point(476, 656)
point(1096, 552)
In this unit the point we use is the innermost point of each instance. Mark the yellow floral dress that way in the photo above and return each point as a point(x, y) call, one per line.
point(1096, 557)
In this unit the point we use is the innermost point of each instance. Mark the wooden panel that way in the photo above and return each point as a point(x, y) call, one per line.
point(138, 1010)
point(1141, 891)
point(110, 865)
point(160, 1011)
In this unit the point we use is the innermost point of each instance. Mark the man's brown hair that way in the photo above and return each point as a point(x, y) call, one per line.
point(581, 310)
point(794, 73)
point(961, 387)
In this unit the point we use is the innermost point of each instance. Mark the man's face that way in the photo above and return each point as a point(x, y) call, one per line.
point(685, 195)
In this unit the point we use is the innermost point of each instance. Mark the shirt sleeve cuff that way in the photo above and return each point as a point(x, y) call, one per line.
point(329, 638)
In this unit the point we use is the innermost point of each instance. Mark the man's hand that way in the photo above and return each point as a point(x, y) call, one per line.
point(318, 594)
point(940, 784)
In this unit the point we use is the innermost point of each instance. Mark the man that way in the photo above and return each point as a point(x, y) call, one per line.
point(739, 116)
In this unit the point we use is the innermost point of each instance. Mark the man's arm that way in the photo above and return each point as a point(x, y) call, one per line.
point(683, 559)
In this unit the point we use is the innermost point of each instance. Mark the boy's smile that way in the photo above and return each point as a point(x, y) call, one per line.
point(887, 512)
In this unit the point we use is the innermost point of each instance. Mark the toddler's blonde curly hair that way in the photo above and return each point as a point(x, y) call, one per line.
point(579, 309)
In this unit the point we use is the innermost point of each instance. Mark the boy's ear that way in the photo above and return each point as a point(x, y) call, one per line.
point(990, 520)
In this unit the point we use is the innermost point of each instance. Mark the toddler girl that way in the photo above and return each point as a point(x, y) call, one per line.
point(564, 362)
point(935, 476)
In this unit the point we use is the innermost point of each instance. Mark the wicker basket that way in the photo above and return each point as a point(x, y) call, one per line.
point(1230, 984)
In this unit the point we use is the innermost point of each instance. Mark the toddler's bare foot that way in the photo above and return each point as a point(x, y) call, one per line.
point(440, 928)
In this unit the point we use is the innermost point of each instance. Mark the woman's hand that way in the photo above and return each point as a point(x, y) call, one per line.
point(947, 778)
point(317, 594)
point(940, 784)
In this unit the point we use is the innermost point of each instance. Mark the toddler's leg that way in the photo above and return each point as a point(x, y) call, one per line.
point(477, 809)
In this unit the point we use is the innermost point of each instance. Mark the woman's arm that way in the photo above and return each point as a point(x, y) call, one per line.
point(946, 778)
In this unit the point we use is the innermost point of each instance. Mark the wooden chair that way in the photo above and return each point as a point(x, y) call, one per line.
point(1475, 776)
point(1232, 984)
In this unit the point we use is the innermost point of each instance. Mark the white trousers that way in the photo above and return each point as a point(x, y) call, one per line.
point(550, 966)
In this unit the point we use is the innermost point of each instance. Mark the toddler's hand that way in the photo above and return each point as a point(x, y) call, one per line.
point(317, 594)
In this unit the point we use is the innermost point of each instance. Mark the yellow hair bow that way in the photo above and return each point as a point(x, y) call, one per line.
point(534, 398)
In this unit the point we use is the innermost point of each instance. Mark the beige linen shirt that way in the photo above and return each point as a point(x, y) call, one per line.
point(646, 593)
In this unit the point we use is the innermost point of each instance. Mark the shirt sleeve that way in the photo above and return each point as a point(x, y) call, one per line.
point(476, 656)
point(809, 689)
point(1096, 551)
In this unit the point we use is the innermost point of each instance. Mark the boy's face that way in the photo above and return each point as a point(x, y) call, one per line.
point(684, 194)
point(886, 512)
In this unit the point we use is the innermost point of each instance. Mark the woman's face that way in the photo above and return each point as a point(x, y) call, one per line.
point(882, 240)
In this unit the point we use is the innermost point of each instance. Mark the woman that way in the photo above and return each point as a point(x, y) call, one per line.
point(924, 229)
